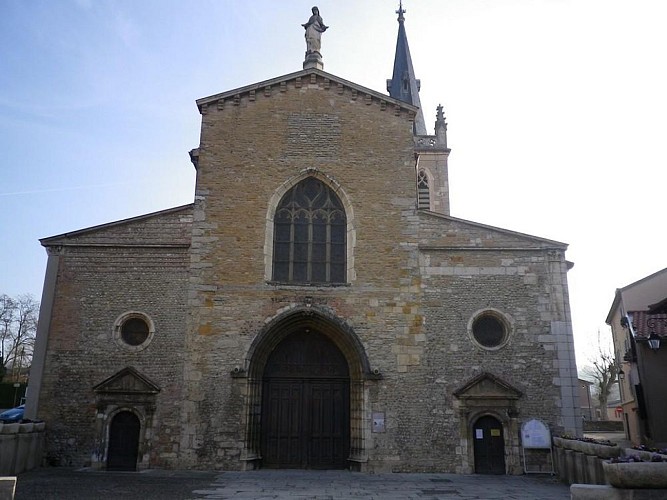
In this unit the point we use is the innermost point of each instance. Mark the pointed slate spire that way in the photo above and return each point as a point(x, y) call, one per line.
point(403, 84)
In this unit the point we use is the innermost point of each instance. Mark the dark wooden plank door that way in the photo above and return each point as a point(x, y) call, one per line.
point(123, 442)
point(284, 427)
point(489, 446)
point(328, 440)
point(306, 405)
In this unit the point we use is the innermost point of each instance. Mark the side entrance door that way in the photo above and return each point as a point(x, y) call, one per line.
point(123, 442)
point(489, 446)
point(306, 405)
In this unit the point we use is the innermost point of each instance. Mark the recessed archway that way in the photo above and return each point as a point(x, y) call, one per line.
point(332, 335)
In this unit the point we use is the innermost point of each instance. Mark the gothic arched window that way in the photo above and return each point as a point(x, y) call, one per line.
point(423, 193)
point(310, 235)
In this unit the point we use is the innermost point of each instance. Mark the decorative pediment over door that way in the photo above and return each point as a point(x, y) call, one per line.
point(487, 387)
point(126, 393)
point(481, 398)
point(127, 381)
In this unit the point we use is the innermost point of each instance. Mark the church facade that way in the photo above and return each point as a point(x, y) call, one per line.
point(316, 306)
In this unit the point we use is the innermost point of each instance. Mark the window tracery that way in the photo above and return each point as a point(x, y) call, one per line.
point(423, 191)
point(309, 239)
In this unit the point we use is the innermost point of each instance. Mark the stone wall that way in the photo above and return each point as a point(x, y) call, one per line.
point(415, 282)
point(21, 447)
point(139, 266)
point(409, 311)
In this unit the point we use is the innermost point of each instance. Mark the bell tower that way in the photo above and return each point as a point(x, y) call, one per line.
point(431, 151)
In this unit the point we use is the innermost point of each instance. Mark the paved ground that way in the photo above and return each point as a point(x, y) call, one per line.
point(79, 484)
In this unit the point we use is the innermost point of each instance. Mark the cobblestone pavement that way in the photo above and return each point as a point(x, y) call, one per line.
point(63, 483)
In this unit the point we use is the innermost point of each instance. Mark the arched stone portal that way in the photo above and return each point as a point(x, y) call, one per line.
point(314, 331)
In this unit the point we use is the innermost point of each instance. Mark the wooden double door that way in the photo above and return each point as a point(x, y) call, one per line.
point(306, 405)
point(489, 446)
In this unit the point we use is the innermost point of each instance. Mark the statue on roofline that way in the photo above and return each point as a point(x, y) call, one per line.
point(314, 29)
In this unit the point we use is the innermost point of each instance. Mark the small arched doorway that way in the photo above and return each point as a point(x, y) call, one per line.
point(123, 441)
point(306, 404)
point(489, 446)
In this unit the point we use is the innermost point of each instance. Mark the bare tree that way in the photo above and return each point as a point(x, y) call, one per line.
point(603, 371)
point(18, 326)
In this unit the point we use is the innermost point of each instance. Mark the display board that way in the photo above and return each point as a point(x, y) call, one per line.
point(536, 438)
point(534, 434)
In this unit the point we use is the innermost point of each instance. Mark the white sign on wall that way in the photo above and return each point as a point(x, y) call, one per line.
point(534, 434)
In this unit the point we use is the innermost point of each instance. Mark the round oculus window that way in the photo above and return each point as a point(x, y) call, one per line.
point(134, 331)
point(489, 331)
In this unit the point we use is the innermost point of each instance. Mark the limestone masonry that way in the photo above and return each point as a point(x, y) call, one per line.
point(316, 306)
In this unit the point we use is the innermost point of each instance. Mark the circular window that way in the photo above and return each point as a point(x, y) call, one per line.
point(133, 331)
point(490, 329)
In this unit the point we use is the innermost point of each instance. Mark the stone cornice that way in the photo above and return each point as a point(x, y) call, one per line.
point(61, 239)
point(460, 248)
point(303, 78)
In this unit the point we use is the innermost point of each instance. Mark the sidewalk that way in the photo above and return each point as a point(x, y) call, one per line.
point(79, 484)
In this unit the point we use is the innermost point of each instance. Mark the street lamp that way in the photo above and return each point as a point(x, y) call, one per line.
point(654, 341)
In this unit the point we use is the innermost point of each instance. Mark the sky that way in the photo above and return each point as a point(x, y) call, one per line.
point(556, 110)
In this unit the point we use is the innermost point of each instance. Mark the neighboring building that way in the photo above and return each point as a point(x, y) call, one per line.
point(586, 401)
point(638, 320)
point(614, 407)
point(317, 306)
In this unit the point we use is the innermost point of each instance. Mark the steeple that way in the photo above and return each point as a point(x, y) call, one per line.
point(403, 84)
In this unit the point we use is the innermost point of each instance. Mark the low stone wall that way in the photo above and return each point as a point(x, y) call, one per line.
point(627, 480)
point(603, 426)
point(581, 462)
point(21, 447)
point(7, 488)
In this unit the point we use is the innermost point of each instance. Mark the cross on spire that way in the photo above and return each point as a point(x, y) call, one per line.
point(403, 85)
point(400, 11)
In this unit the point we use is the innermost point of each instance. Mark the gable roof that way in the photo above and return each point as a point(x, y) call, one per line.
point(304, 77)
point(514, 239)
point(640, 295)
point(158, 236)
point(645, 324)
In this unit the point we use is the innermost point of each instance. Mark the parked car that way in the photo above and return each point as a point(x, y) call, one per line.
point(13, 415)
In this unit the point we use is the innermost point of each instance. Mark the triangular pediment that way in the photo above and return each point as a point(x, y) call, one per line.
point(487, 386)
point(127, 381)
point(301, 79)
